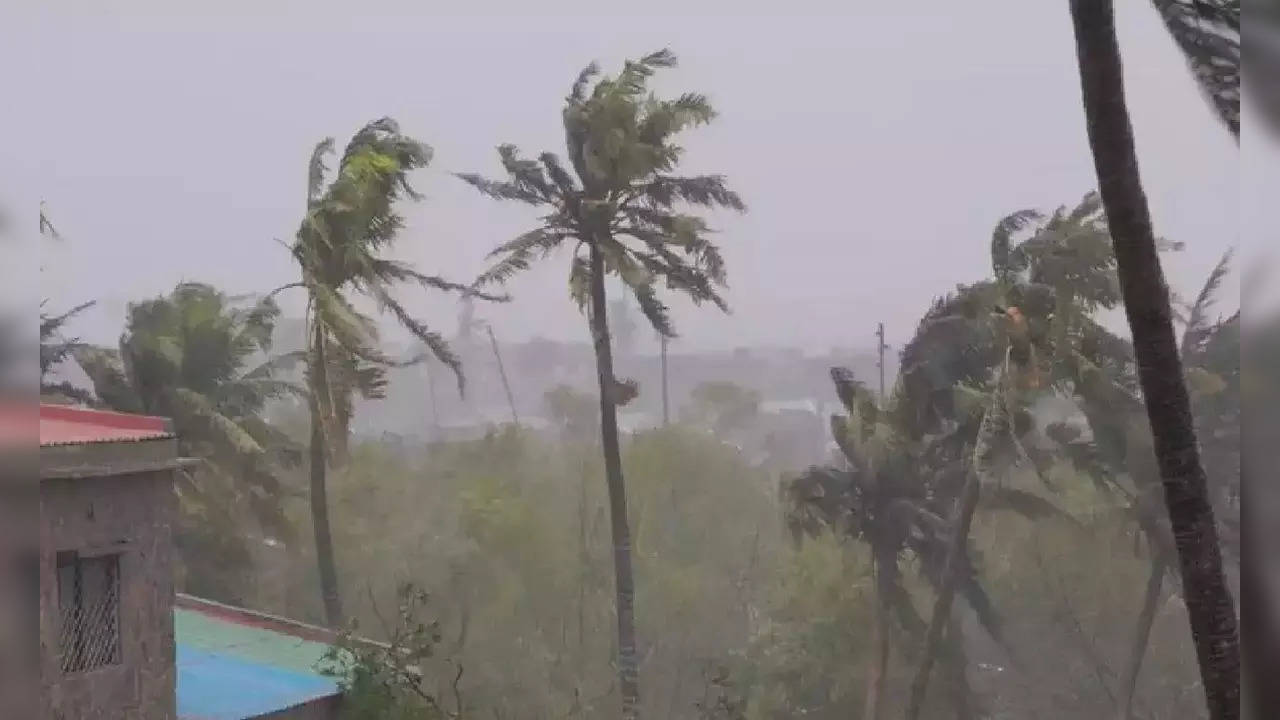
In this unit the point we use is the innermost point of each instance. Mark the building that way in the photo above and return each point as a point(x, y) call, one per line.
point(105, 561)
point(115, 642)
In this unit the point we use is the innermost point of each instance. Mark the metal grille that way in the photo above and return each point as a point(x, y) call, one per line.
point(89, 607)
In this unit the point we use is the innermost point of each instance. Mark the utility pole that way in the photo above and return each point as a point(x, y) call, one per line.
point(880, 348)
point(666, 408)
point(502, 373)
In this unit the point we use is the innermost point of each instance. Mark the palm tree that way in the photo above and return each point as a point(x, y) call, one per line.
point(349, 226)
point(892, 493)
point(1146, 300)
point(616, 205)
point(187, 356)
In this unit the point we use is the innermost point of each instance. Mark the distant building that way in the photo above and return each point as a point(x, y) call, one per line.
point(112, 645)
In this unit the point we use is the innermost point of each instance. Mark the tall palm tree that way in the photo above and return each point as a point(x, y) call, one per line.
point(349, 226)
point(190, 355)
point(617, 207)
point(1146, 300)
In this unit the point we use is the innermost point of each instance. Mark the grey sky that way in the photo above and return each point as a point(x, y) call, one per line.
point(876, 148)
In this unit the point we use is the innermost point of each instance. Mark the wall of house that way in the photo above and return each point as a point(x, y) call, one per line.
point(130, 515)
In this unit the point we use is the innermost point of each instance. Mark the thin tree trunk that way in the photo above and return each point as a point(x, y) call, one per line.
point(960, 525)
point(879, 675)
point(1141, 638)
point(319, 493)
point(502, 373)
point(1210, 608)
point(624, 582)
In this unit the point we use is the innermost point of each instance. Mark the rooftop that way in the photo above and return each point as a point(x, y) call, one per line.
point(234, 664)
point(71, 425)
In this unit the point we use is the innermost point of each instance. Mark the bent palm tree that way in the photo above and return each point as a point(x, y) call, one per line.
point(187, 356)
point(1146, 300)
point(340, 249)
point(616, 206)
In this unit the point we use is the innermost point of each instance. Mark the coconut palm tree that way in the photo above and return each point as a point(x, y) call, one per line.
point(341, 249)
point(1146, 299)
point(617, 206)
point(897, 485)
point(203, 359)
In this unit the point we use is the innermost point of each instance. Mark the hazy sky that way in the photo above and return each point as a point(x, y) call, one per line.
point(876, 148)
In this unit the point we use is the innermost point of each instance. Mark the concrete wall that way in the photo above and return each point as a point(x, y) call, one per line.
point(130, 515)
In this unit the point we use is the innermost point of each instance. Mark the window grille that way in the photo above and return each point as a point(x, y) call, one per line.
point(89, 608)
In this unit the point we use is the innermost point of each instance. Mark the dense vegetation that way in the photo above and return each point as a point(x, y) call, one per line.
point(990, 539)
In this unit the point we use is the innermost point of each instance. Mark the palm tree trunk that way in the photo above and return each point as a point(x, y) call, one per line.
point(1141, 638)
point(502, 373)
point(942, 604)
point(1210, 608)
point(624, 582)
point(879, 675)
point(319, 493)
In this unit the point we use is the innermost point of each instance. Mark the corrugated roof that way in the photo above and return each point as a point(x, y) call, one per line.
point(234, 664)
point(70, 425)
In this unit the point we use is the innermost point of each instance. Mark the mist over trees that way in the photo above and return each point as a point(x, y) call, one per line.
point(1038, 517)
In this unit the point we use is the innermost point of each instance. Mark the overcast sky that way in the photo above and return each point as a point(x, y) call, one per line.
point(876, 148)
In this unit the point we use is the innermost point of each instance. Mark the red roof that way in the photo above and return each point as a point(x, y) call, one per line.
point(68, 425)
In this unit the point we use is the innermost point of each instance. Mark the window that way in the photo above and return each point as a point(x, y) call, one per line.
point(89, 608)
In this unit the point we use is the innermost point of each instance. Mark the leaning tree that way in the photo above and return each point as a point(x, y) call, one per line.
point(341, 248)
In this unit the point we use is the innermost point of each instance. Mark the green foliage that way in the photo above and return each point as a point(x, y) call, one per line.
point(618, 193)
point(391, 681)
point(198, 357)
point(340, 248)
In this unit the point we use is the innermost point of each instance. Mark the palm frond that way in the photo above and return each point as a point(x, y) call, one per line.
point(434, 341)
point(654, 310)
point(195, 409)
point(317, 170)
point(499, 190)
point(703, 190)
point(109, 377)
point(1208, 34)
point(1198, 324)
point(578, 92)
point(1002, 261)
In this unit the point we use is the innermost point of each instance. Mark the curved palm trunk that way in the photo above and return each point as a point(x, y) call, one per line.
point(942, 604)
point(319, 493)
point(1141, 638)
point(624, 583)
point(1146, 301)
